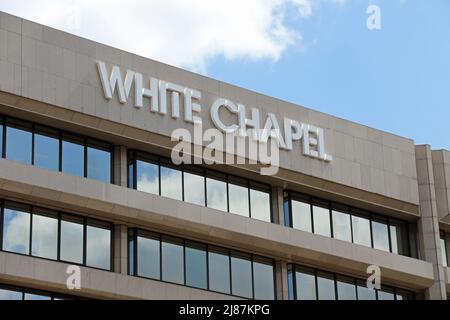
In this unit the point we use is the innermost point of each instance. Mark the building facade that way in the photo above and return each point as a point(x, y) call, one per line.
point(87, 180)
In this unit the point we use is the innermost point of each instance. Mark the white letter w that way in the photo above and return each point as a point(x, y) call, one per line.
point(115, 80)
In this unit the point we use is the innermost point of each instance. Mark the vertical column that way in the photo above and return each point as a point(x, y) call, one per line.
point(120, 166)
point(281, 279)
point(277, 205)
point(121, 249)
point(428, 226)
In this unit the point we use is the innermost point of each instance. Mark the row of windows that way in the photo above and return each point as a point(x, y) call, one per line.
point(56, 236)
point(195, 185)
point(198, 265)
point(55, 150)
point(443, 240)
point(348, 224)
point(311, 284)
point(8, 292)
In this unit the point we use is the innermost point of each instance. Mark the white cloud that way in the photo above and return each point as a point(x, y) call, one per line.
point(179, 32)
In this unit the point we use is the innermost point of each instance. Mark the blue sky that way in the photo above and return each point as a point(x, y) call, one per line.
point(316, 53)
point(396, 79)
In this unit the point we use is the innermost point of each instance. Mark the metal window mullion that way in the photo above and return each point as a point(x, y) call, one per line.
point(371, 232)
point(207, 268)
point(228, 194)
point(182, 182)
point(205, 188)
point(160, 258)
point(85, 158)
point(111, 246)
point(253, 277)
point(184, 261)
point(84, 241)
point(311, 208)
point(330, 219)
point(230, 273)
point(60, 142)
point(389, 234)
point(58, 249)
point(249, 200)
point(4, 139)
point(30, 240)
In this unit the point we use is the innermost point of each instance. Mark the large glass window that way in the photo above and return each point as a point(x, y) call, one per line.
point(380, 233)
point(147, 177)
point(45, 235)
point(196, 274)
point(18, 144)
point(306, 284)
point(72, 231)
point(16, 230)
point(399, 237)
point(342, 229)
point(260, 205)
point(325, 286)
point(194, 188)
point(148, 256)
point(241, 275)
point(219, 270)
point(263, 280)
point(301, 216)
point(322, 223)
point(46, 151)
point(73, 158)
point(34, 296)
point(238, 199)
point(346, 288)
point(172, 260)
point(365, 293)
point(361, 231)
point(386, 294)
point(171, 183)
point(216, 194)
point(444, 250)
point(98, 245)
point(99, 164)
point(7, 294)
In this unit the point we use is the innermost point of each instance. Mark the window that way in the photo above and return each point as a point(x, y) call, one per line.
point(260, 205)
point(73, 158)
point(310, 284)
point(238, 199)
point(241, 275)
point(305, 284)
point(196, 274)
point(342, 229)
point(172, 260)
point(51, 235)
point(301, 216)
point(194, 188)
point(216, 194)
point(321, 218)
point(399, 237)
point(263, 279)
point(46, 150)
point(171, 186)
point(380, 233)
point(99, 164)
point(361, 231)
point(147, 175)
point(18, 144)
point(98, 245)
point(365, 293)
point(148, 256)
point(198, 265)
point(219, 270)
point(386, 294)
point(325, 286)
point(346, 288)
point(56, 150)
point(34, 296)
point(6, 294)
point(444, 250)
point(16, 230)
point(72, 238)
point(44, 235)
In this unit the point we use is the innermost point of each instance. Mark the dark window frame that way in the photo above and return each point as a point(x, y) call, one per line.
point(135, 155)
point(132, 238)
point(61, 135)
point(59, 217)
point(289, 196)
point(293, 267)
